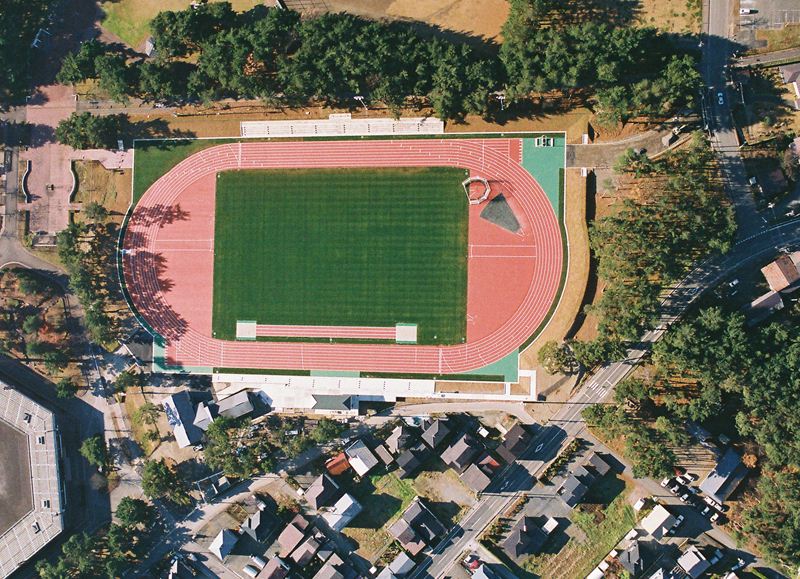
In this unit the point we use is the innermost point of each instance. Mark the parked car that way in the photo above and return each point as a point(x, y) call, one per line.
point(685, 479)
point(675, 489)
point(678, 523)
point(684, 498)
point(715, 504)
point(720, 98)
point(665, 482)
point(715, 517)
point(744, 11)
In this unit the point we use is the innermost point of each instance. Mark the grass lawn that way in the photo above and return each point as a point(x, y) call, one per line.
point(371, 247)
point(153, 159)
point(603, 529)
point(383, 498)
point(130, 19)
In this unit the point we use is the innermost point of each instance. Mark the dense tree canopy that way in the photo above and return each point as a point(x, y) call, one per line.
point(275, 56)
point(20, 21)
point(757, 370)
point(679, 213)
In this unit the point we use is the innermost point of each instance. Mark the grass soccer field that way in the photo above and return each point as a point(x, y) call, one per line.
point(342, 247)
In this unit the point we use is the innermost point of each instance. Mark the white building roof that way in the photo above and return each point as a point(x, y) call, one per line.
point(344, 510)
point(658, 522)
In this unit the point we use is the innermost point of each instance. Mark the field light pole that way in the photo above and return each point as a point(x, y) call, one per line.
point(360, 99)
point(502, 99)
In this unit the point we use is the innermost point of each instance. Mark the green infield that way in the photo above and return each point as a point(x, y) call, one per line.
point(342, 247)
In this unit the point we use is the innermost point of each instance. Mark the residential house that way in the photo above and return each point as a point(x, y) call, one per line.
point(223, 544)
point(763, 307)
point(636, 558)
point(400, 567)
point(783, 272)
point(322, 492)
point(259, 525)
point(407, 464)
point(516, 441)
point(526, 538)
point(417, 528)
point(235, 406)
point(204, 414)
point(335, 568)
point(693, 562)
point(597, 464)
point(360, 457)
point(292, 535)
point(383, 454)
point(345, 510)
point(305, 551)
point(338, 464)
point(276, 568)
point(658, 522)
point(400, 439)
point(572, 491)
point(475, 478)
point(178, 408)
point(435, 434)
point(790, 74)
point(725, 477)
point(460, 454)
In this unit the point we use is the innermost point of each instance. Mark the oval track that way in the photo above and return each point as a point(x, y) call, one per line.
point(487, 157)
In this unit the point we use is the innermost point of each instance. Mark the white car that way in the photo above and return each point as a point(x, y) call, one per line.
point(744, 11)
point(720, 98)
point(665, 482)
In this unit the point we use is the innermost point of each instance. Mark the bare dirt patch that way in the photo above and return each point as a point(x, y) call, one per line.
point(677, 16)
point(111, 189)
point(483, 19)
point(779, 39)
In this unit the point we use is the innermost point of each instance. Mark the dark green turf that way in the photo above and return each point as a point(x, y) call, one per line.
point(365, 247)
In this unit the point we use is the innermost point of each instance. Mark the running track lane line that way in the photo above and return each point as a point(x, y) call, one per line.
point(197, 349)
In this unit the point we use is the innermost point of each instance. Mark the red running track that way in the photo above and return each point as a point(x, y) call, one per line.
point(513, 278)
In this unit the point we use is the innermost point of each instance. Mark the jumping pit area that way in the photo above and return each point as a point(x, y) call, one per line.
point(344, 255)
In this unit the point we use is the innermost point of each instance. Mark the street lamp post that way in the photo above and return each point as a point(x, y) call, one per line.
point(360, 99)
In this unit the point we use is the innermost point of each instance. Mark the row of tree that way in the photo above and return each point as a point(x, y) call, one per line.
point(80, 247)
point(276, 56)
point(678, 213)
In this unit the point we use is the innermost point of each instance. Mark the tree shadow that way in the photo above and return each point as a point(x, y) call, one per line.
point(149, 293)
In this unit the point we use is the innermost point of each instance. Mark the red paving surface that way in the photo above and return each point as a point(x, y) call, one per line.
point(513, 277)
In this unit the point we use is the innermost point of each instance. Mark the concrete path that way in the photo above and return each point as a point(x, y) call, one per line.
point(50, 180)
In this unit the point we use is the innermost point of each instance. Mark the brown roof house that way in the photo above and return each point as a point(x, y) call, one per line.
point(417, 528)
point(790, 74)
point(782, 272)
point(515, 443)
point(292, 535)
point(275, 568)
point(323, 492)
point(435, 434)
point(461, 453)
point(306, 551)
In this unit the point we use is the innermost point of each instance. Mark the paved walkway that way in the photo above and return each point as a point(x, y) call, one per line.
point(768, 58)
point(50, 180)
